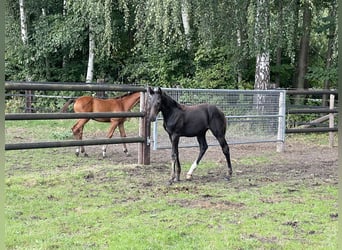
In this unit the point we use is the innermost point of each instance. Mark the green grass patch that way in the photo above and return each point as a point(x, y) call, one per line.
point(55, 200)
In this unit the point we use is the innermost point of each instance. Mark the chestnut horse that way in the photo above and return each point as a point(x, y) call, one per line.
point(122, 103)
point(189, 121)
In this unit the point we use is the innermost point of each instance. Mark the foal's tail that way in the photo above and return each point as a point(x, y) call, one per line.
point(217, 122)
point(66, 105)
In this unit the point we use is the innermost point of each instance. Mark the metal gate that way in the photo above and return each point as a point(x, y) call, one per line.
point(253, 116)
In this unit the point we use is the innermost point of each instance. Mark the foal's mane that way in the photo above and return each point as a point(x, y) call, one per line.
point(170, 101)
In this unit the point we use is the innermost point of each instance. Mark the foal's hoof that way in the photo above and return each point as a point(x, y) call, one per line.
point(173, 180)
point(189, 177)
point(77, 154)
point(228, 178)
point(86, 155)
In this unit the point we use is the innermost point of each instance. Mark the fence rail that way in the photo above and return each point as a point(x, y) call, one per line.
point(53, 116)
point(71, 86)
point(70, 143)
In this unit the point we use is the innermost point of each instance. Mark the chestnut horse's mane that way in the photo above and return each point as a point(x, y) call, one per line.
point(127, 94)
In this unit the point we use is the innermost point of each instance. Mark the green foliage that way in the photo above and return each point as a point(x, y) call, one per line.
point(145, 42)
point(14, 105)
point(163, 68)
point(214, 69)
point(318, 75)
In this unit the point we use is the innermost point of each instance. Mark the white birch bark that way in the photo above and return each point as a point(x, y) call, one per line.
point(64, 7)
point(91, 56)
point(186, 22)
point(262, 70)
point(23, 22)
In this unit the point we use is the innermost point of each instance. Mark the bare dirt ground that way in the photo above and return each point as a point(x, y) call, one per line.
point(256, 163)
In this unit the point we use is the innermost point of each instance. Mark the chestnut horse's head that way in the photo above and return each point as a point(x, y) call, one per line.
point(155, 100)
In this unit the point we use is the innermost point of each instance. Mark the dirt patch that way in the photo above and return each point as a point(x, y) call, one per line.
point(256, 163)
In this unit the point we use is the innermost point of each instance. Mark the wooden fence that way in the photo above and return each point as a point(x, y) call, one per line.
point(144, 126)
point(312, 126)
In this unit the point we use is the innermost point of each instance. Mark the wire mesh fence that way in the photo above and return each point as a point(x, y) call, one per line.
point(252, 116)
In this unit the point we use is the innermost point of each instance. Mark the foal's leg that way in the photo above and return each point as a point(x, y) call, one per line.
point(203, 148)
point(123, 134)
point(218, 128)
point(77, 130)
point(175, 164)
point(113, 124)
point(225, 150)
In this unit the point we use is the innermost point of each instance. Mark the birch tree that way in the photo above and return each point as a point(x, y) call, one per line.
point(262, 36)
point(23, 22)
point(91, 55)
point(186, 22)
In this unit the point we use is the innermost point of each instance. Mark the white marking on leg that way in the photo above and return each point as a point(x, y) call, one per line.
point(191, 170)
point(104, 149)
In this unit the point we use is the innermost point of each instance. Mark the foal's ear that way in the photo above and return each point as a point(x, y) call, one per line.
point(150, 90)
point(159, 90)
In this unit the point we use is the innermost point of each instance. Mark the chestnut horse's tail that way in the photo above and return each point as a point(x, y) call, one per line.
point(66, 105)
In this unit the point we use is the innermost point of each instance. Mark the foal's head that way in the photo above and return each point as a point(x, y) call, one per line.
point(155, 97)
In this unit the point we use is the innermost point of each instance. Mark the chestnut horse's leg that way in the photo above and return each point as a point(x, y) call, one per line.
point(203, 148)
point(77, 130)
point(175, 165)
point(123, 134)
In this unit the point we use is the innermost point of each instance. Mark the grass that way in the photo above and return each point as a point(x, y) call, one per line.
point(57, 201)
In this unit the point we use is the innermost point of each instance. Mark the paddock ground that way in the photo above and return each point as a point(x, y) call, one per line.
point(304, 159)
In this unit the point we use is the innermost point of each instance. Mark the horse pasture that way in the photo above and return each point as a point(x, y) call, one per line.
point(55, 200)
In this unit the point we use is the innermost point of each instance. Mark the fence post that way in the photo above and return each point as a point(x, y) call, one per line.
point(281, 123)
point(144, 131)
point(28, 101)
point(100, 94)
point(331, 120)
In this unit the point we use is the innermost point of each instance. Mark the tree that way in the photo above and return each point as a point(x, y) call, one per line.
point(241, 13)
point(304, 45)
point(186, 22)
point(262, 36)
point(203, 43)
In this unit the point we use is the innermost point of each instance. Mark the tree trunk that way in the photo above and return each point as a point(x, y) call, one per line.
point(262, 71)
point(331, 37)
point(262, 37)
point(294, 59)
point(304, 47)
point(64, 12)
point(186, 22)
point(242, 37)
point(23, 22)
point(280, 42)
point(91, 56)
point(24, 38)
point(64, 7)
point(262, 29)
